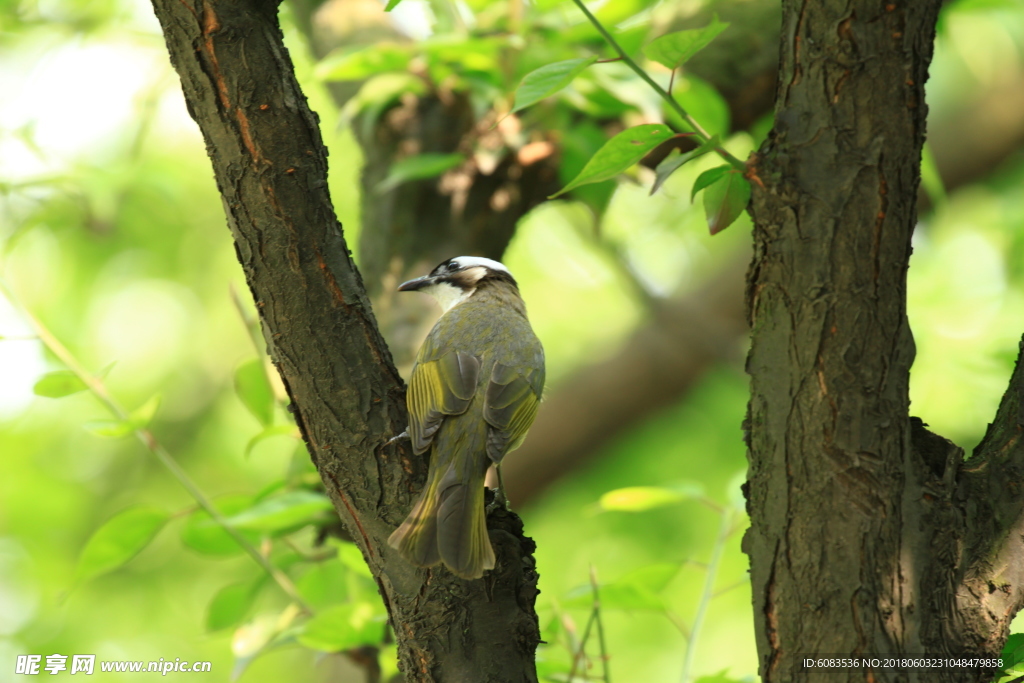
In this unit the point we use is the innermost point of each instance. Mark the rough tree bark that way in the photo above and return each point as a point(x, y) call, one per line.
point(270, 165)
point(869, 534)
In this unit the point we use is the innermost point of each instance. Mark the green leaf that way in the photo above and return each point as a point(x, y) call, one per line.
point(344, 627)
point(231, 604)
point(725, 200)
point(202, 534)
point(708, 178)
point(119, 540)
point(619, 153)
point(355, 65)
point(290, 509)
point(547, 80)
point(352, 557)
point(392, 4)
point(58, 384)
point(931, 180)
point(137, 419)
point(275, 430)
point(324, 584)
point(674, 49)
point(110, 429)
point(702, 102)
point(637, 590)
point(418, 167)
point(1013, 654)
point(252, 387)
point(641, 498)
point(674, 161)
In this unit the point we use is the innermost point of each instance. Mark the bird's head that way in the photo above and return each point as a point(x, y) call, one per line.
point(456, 279)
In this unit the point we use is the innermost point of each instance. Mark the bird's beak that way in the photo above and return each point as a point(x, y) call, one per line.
point(418, 283)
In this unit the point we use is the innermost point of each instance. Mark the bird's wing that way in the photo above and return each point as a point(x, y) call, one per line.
point(509, 407)
point(439, 387)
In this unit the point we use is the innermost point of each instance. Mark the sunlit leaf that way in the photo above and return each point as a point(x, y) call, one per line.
point(352, 557)
point(707, 178)
point(1013, 654)
point(619, 153)
point(254, 390)
point(272, 431)
point(324, 584)
point(231, 604)
point(345, 626)
point(355, 65)
point(137, 419)
point(418, 167)
point(58, 384)
point(674, 161)
point(653, 577)
point(725, 200)
point(547, 80)
point(674, 49)
point(288, 510)
point(110, 429)
point(640, 498)
point(120, 539)
point(204, 535)
point(143, 415)
point(392, 4)
point(702, 102)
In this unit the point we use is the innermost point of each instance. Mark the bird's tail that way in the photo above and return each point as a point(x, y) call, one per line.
point(448, 524)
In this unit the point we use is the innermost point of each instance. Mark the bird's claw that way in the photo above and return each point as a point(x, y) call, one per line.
point(404, 436)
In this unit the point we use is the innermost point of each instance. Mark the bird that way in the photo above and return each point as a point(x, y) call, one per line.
point(474, 392)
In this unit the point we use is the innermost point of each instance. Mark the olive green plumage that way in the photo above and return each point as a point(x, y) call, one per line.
point(473, 394)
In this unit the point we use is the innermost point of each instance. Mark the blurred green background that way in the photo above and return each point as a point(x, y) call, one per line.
point(112, 233)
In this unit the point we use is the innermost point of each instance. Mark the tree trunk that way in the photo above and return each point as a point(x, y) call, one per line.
point(270, 165)
point(870, 536)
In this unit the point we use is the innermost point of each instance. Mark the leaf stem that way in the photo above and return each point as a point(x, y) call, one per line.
point(709, 591)
point(600, 628)
point(99, 390)
point(701, 133)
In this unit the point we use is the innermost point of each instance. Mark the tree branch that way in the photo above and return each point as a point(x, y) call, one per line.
point(347, 397)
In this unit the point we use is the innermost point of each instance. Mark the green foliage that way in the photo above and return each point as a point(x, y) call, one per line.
point(345, 626)
point(418, 167)
point(640, 498)
point(547, 80)
point(121, 538)
point(725, 199)
point(254, 390)
point(287, 511)
point(231, 605)
point(58, 384)
point(202, 534)
point(675, 49)
point(117, 429)
point(619, 153)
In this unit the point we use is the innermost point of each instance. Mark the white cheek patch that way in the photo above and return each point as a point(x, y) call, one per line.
point(447, 295)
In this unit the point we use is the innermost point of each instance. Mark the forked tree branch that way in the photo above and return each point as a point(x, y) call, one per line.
point(271, 168)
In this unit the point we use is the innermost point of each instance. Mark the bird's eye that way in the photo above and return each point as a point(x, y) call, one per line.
point(453, 265)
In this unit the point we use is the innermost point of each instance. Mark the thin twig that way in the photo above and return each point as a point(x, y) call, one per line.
point(708, 593)
point(600, 628)
point(99, 390)
point(580, 653)
point(701, 133)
